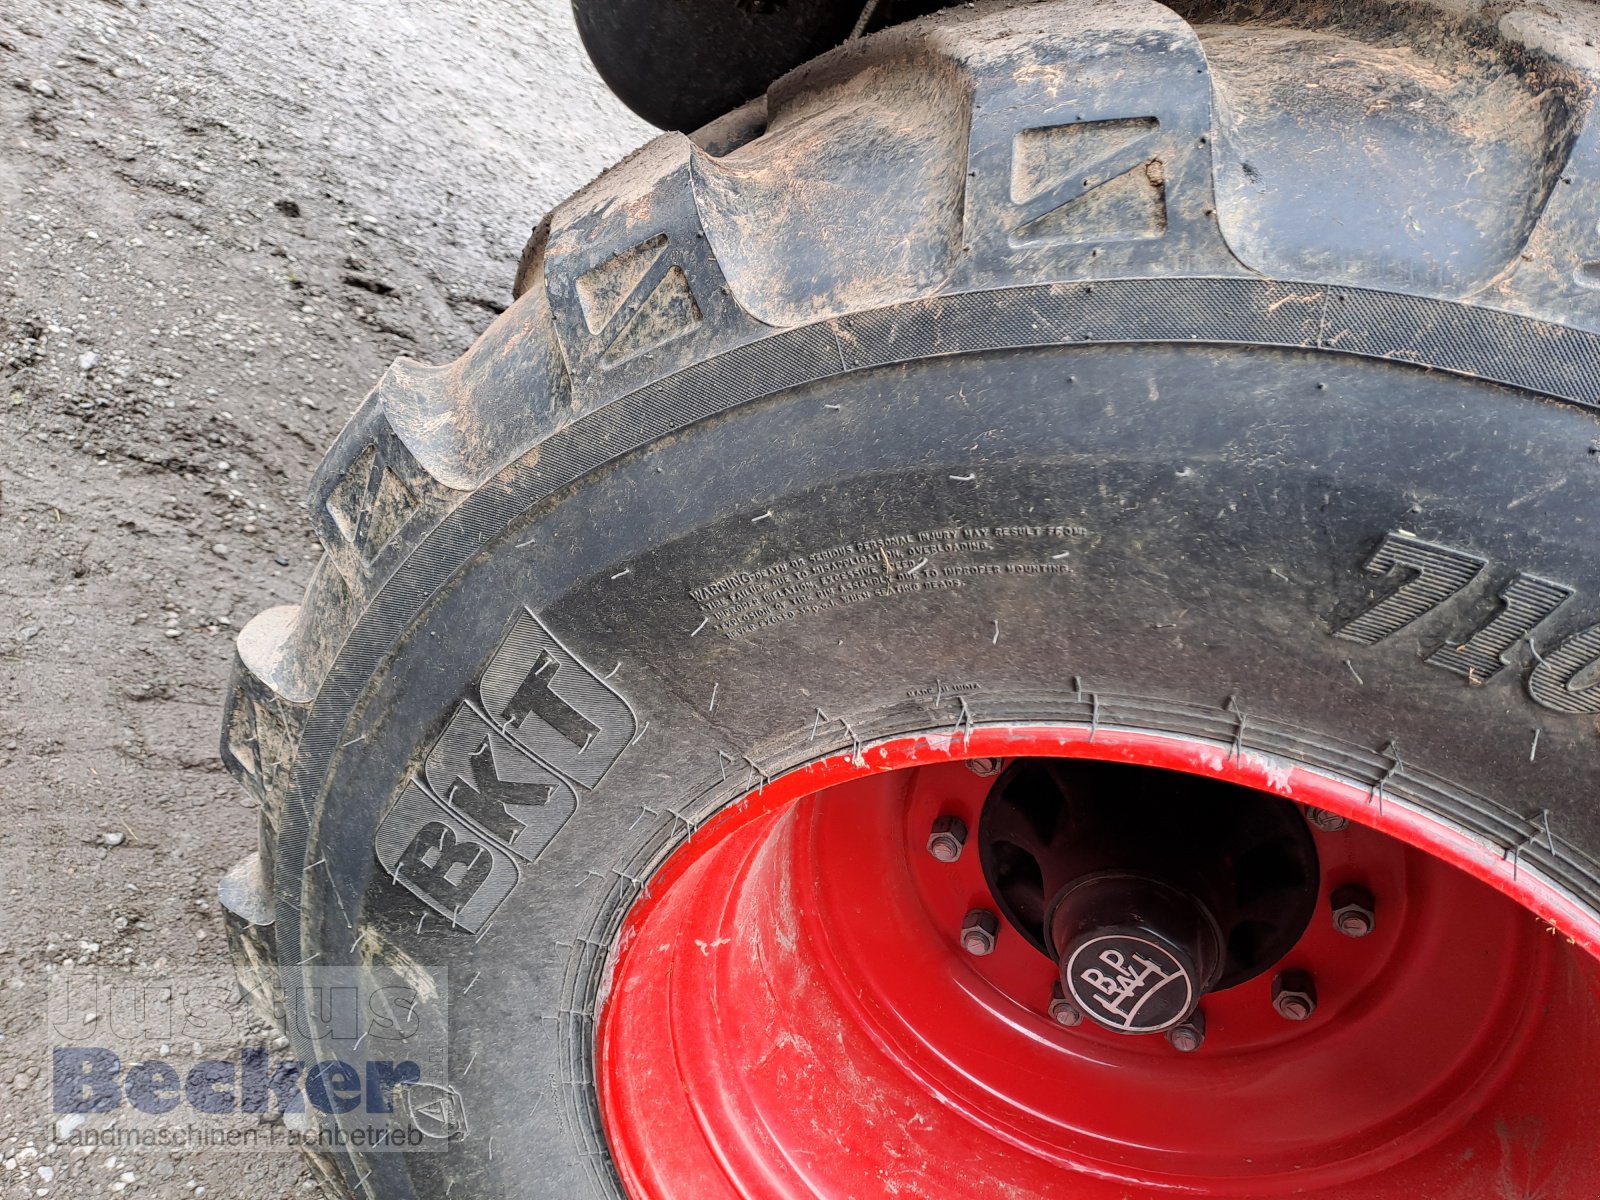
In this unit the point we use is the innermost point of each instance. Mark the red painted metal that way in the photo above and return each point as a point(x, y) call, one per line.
point(790, 1015)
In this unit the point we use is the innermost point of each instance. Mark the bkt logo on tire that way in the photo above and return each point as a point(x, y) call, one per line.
point(504, 776)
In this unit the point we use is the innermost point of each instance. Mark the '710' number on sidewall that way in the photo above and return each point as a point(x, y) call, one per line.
point(1565, 678)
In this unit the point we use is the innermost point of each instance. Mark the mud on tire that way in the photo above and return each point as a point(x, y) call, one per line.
point(1052, 362)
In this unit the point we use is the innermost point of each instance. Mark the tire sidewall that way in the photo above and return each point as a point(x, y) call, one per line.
point(1160, 537)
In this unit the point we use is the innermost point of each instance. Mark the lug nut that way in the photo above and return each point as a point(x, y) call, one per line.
point(978, 932)
point(1355, 913)
point(1294, 995)
point(946, 838)
point(1190, 1035)
point(984, 767)
point(1064, 1011)
point(1326, 821)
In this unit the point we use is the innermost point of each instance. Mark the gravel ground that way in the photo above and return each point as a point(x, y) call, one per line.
point(218, 224)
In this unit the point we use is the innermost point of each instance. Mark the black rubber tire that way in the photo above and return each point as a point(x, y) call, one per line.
point(1058, 362)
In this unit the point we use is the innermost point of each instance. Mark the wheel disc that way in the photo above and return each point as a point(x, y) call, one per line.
point(803, 1005)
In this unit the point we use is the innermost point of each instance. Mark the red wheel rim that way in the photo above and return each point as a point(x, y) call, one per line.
point(790, 1014)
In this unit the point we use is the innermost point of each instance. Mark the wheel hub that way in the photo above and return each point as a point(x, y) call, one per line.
point(1135, 954)
point(1149, 888)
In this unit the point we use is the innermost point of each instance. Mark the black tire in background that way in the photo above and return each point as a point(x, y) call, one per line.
point(1050, 363)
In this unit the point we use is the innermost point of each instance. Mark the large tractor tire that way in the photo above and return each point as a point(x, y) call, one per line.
point(1063, 522)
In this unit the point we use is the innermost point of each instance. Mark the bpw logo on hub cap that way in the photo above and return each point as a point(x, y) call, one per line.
point(1129, 984)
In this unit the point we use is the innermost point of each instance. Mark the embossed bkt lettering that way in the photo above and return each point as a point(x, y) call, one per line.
point(451, 866)
point(504, 775)
point(448, 871)
point(497, 785)
point(537, 698)
point(488, 799)
point(554, 706)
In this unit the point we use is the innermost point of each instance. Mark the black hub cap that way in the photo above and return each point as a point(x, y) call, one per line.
point(1136, 954)
point(1149, 888)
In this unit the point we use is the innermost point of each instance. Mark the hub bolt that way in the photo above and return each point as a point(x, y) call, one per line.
point(984, 767)
point(946, 838)
point(978, 932)
point(1294, 995)
point(1354, 911)
point(1326, 821)
point(1190, 1035)
point(1064, 1011)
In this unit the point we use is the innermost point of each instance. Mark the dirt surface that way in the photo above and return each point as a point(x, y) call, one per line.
point(218, 224)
